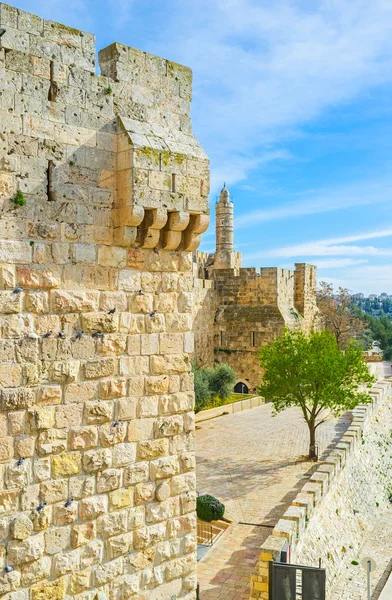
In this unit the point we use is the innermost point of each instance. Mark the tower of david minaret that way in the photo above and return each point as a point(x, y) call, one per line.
point(225, 257)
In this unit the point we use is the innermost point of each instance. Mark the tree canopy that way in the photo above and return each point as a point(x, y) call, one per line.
point(212, 383)
point(338, 314)
point(311, 372)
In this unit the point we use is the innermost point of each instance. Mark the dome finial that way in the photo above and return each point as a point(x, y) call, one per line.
point(225, 194)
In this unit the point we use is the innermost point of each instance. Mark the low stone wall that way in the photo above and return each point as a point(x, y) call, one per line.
point(336, 508)
point(234, 407)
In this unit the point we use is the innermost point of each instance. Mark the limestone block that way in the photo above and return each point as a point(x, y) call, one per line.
point(146, 536)
point(36, 571)
point(68, 416)
point(55, 590)
point(169, 426)
point(108, 480)
point(112, 524)
point(65, 372)
point(7, 277)
point(128, 281)
point(104, 322)
point(121, 498)
point(144, 493)
point(148, 406)
point(53, 491)
point(74, 301)
point(49, 395)
point(126, 409)
point(141, 303)
point(112, 345)
point(81, 486)
point(151, 449)
point(40, 418)
point(64, 515)
point(108, 572)
point(41, 469)
point(119, 545)
point(112, 434)
point(82, 533)
point(79, 582)
point(82, 438)
point(37, 279)
point(136, 473)
point(177, 322)
point(80, 392)
point(21, 528)
point(155, 324)
point(9, 302)
point(117, 300)
point(141, 429)
point(157, 384)
point(174, 363)
point(65, 465)
point(112, 388)
point(9, 502)
point(93, 507)
point(91, 554)
point(124, 454)
point(103, 367)
point(25, 551)
point(98, 412)
point(97, 460)
point(37, 302)
point(51, 442)
point(134, 365)
point(113, 256)
point(10, 375)
point(164, 467)
point(16, 399)
point(19, 475)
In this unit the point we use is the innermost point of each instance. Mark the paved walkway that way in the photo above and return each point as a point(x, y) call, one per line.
point(378, 546)
point(255, 464)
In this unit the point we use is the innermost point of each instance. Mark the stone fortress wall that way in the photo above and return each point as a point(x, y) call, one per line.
point(237, 310)
point(337, 508)
point(97, 497)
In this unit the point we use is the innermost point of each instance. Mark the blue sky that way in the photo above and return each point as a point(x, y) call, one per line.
point(292, 101)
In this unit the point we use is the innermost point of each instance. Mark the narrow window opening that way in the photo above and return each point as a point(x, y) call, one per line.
point(49, 181)
point(201, 188)
point(221, 338)
point(160, 161)
point(173, 183)
point(53, 88)
point(253, 339)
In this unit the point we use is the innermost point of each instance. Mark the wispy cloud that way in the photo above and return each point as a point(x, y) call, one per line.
point(338, 263)
point(327, 200)
point(339, 246)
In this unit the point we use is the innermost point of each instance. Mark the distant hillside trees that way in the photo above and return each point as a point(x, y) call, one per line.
point(338, 314)
point(312, 372)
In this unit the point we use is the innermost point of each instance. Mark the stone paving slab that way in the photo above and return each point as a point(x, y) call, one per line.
point(255, 464)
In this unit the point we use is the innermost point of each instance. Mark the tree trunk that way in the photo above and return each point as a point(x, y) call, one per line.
point(312, 442)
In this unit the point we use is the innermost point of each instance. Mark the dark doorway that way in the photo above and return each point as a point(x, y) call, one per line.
point(241, 388)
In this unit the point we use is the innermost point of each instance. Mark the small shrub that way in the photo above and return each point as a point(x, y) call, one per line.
point(377, 504)
point(19, 199)
point(337, 511)
point(209, 508)
point(108, 91)
point(355, 562)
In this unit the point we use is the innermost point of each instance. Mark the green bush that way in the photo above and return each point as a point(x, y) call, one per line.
point(209, 508)
point(212, 385)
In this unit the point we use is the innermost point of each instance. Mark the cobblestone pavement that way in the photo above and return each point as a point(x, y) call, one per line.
point(378, 545)
point(255, 464)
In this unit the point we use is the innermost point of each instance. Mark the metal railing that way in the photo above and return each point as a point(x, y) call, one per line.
point(205, 534)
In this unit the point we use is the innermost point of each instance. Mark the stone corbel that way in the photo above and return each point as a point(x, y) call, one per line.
point(172, 233)
point(150, 230)
point(191, 237)
point(126, 223)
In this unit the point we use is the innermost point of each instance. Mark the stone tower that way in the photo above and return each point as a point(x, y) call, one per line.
point(225, 257)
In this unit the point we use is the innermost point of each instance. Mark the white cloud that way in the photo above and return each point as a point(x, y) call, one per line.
point(327, 200)
point(264, 69)
point(332, 247)
point(338, 263)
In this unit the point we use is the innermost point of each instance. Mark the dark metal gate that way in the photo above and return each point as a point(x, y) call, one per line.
point(294, 582)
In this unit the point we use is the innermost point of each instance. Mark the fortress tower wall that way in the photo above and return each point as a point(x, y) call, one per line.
point(97, 490)
point(252, 308)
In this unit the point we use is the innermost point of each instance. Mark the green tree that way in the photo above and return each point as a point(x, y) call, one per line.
point(212, 384)
point(313, 374)
point(221, 381)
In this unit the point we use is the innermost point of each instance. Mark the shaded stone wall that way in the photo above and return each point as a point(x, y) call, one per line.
point(97, 484)
point(337, 508)
point(253, 307)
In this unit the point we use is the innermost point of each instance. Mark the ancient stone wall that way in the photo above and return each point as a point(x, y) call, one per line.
point(335, 510)
point(103, 196)
point(253, 307)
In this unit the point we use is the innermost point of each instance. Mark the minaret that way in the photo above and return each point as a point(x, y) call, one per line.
point(225, 257)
